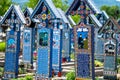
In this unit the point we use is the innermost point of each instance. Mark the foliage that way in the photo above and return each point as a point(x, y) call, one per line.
point(118, 61)
point(1, 71)
point(76, 18)
point(2, 46)
point(4, 5)
point(63, 4)
point(22, 71)
point(14, 79)
point(32, 3)
point(98, 63)
point(96, 78)
point(85, 42)
point(72, 55)
point(58, 4)
point(70, 76)
point(113, 11)
point(28, 77)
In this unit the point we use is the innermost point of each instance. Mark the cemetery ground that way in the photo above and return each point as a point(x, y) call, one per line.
point(67, 69)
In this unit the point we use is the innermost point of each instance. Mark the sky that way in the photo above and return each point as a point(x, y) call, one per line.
point(98, 3)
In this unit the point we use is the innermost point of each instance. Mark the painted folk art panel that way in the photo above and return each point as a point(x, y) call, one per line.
point(57, 50)
point(44, 61)
point(11, 56)
point(84, 53)
point(66, 48)
point(118, 44)
point(110, 65)
point(27, 45)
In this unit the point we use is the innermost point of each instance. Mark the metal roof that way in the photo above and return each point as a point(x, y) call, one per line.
point(50, 6)
point(18, 12)
point(95, 20)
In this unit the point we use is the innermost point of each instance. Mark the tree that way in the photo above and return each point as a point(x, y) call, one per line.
point(32, 3)
point(70, 76)
point(76, 18)
point(112, 11)
point(4, 5)
point(63, 4)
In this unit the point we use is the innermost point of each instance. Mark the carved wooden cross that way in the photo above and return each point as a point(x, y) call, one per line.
point(82, 11)
point(44, 17)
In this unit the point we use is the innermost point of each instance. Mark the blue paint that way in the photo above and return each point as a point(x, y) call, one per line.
point(27, 46)
point(57, 50)
point(44, 61)
point(83, 67)
point(11, 55)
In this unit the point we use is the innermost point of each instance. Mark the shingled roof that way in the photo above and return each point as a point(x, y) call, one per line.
point(49, 5)
point(95, 20)
point(63, 17)
point(18, 13)
point(76, 3)
point(114, 22)
point(28, 11)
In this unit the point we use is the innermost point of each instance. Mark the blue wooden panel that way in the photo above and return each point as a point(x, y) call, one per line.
point(100, 46)
point(57, 50)
point(12, 54)
point(43, 61)
point(55, 59)
point(66, 46)
point(10, 62)
point(27, 53)
point(27, 45)
point(83, 67)
point(109, 62)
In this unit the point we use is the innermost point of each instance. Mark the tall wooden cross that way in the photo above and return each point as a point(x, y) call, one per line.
point(82, 11)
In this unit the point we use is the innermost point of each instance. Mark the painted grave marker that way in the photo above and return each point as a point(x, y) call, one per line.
point(110, 32)
point(13, 20)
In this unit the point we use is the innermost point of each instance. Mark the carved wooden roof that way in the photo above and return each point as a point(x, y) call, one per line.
point(115, 24)
point(28, 11)
point(76, 3)
point(17, 11)
point(49, 5)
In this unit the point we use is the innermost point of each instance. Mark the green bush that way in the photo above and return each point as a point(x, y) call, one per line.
point(1, 71)
point(29, 77)
point(72, 56)
point(14, 79)
point(118, 61)
point(98, 63)
point(19, 79)
point(70, 76)
point(2, 46)
point(96, 78)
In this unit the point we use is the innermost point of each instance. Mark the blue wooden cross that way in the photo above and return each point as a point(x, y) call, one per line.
point(13, 19)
